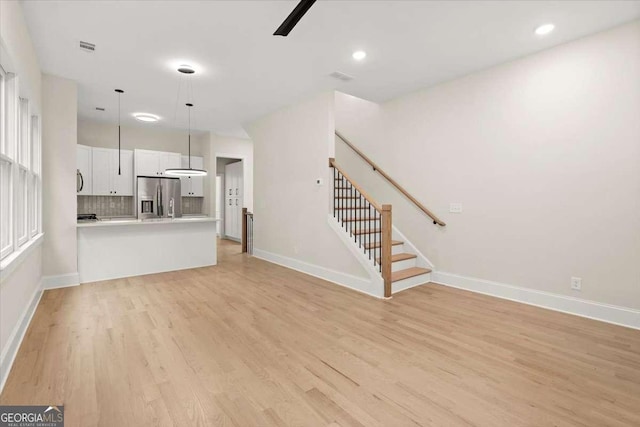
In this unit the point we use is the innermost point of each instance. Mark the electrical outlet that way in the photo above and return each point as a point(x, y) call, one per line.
point(576, 283)
point(455, 207)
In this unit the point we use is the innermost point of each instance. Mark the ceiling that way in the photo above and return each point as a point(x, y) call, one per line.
point(246, 72)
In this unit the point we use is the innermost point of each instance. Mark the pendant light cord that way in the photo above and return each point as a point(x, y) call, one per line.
point(119, 133)
point(189, 137)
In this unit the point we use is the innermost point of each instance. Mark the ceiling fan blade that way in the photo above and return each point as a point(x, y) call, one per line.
point(285, 28)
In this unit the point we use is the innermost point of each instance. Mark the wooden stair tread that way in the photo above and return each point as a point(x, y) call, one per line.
point(408, 273)
point(400, 257)
point(377, 244)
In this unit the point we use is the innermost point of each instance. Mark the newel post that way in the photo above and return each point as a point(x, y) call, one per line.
point(385, 256)
point(244, 230)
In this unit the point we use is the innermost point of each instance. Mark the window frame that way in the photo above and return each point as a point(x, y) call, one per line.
point(21, 154)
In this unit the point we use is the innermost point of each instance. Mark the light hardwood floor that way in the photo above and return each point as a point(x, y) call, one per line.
point(248, 343)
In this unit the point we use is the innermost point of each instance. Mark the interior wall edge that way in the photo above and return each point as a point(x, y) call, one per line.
point(61, 281)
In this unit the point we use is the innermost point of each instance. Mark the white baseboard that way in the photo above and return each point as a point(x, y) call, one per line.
point(61, 281)
point(347, 280)
point(593, 310)
point(10, 351)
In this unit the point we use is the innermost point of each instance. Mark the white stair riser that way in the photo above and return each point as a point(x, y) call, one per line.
point(403, 265)
point(410, 282)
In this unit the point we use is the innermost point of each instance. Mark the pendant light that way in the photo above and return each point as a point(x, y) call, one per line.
point(120, 92)
point(189, 171)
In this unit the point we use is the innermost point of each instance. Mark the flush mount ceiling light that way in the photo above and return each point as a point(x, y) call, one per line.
point(186, 69)
point(146, 117)
point(188, 171)
point(359, 55)
point(544, 29)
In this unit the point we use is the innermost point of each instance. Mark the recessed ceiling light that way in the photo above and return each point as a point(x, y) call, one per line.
point(146, 117)
point(186, 69)
point(359, 55)
point(545, 29)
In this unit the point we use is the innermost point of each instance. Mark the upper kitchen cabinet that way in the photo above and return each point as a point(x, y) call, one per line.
point(154, 163)
point(192, 186)
point(106, 180)
point(83, 171)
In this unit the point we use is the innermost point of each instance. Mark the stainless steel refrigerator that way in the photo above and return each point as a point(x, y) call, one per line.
point(158, 197)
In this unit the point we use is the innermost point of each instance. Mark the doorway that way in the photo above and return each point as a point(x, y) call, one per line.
point(229, 197)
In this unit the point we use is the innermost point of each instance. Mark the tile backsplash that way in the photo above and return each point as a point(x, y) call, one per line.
point(106, 205)
point(192, 205)
point(110, 206)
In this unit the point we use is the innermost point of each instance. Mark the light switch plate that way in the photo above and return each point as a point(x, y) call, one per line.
point(455, 207)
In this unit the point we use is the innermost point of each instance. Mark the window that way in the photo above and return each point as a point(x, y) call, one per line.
point(20, 165)
point(6, 228)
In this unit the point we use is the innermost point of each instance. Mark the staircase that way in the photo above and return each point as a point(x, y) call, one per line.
point(369, 227)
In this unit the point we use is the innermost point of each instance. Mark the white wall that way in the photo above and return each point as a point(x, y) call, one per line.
point(17, 53)
point(20, 287)
point(100, 134)
point(543, 154)
point(291, 150)
point(19, 295)
point(59, 139)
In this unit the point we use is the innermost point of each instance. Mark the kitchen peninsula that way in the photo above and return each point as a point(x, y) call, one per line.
point(117, 248)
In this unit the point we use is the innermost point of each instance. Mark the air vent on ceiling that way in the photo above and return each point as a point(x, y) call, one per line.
point(87, 47)
point(100, 108)
point(341, 76)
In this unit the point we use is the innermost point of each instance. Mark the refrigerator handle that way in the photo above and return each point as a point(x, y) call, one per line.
point(159, 197)
point(171, 212)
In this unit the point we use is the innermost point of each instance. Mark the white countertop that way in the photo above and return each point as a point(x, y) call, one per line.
point(135, 221)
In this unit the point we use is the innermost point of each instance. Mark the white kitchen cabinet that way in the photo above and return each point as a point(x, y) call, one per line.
point(192, 186)
point(106, 180)
point(169, 161)
point(84, 185)
point(146, 163)
point(154, 163)
point(233, 182)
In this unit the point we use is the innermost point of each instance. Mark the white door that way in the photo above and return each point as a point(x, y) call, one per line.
point(219, 202)
point(83, 173)
point(233, 200)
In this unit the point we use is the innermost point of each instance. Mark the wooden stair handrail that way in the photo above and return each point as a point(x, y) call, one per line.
point(333, 164)
point(376, 168)
point(386, 231)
